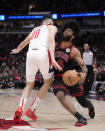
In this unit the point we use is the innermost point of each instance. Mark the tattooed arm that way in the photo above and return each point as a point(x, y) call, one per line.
point(77, 56)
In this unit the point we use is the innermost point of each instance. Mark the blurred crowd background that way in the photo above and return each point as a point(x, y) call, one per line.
point(12, 67)
point(62, 6)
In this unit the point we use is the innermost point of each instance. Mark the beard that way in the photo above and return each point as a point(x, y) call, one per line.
point(67, 38)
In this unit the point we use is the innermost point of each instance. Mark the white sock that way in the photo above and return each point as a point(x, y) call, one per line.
point(35, 104)
point(23, 102)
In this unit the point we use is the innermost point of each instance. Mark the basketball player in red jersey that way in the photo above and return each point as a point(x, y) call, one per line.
point(65, 54)
point(40, 40)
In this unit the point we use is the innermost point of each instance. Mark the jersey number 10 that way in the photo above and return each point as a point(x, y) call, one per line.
point(35, 34)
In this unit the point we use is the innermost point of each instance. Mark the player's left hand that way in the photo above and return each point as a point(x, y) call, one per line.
point(14, 51)
point(55, 64)
point(82, 77)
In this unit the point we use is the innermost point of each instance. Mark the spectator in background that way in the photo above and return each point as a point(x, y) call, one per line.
point(102, 89)
point(90, 62)
point(11, 83)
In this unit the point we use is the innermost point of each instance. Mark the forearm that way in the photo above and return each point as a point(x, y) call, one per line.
point(84, 68)
point(24, 43)
point(52, 33)
point(52, 50)
point(21, 46)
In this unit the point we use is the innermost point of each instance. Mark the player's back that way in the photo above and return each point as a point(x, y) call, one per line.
point(39, 37)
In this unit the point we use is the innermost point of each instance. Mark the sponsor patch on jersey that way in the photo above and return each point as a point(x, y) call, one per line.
point(67, 50)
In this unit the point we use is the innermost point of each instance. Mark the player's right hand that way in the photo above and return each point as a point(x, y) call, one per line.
point(14, 51)
point(55, 64)
point(82, 77)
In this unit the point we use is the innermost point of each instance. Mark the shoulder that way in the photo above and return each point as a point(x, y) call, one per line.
point(90, 52)
point(52, 27)
point(75, 52)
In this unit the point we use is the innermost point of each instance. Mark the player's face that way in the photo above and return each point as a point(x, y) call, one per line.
point(86, 47)
point(67, 35)
point(67, 32)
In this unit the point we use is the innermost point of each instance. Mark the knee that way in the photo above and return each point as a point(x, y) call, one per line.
point(29, 84)
point(48, 82)
point(83, 103)
point(60, 95)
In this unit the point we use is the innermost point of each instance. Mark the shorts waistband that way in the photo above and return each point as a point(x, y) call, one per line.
point(58, 75)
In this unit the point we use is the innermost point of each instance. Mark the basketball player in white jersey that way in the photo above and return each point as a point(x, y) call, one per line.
point(40, 40)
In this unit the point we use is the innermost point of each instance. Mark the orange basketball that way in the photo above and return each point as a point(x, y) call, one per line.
point(70, 77)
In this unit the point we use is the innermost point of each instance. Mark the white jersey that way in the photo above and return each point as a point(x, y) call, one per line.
point(39, 38)
point(88, 58)
point(37, 56)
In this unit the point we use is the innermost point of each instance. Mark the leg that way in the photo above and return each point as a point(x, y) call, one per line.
point(23, 101)
point(41, 93)
point(26, 92)
point(44, 89)
point(83, 101)
point(67, 105)
point(60, 90)
point(44, 67)
point(86, 85)
point(91, 79)
point(31, 70)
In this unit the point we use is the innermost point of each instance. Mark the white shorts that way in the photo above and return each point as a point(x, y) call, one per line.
point(38, 60)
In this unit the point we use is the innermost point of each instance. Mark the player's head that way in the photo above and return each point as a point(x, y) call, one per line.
point(47, 20)
point(86, 47)
point(69, 29)
point(68, 35)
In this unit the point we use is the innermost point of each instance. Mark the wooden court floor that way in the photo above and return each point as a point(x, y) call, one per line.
point(50, 113)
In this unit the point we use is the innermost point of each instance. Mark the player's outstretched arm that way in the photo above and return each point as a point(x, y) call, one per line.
point(52, 33)
point(21, 45)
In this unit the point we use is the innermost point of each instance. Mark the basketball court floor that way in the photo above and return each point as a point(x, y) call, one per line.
point(51, 115)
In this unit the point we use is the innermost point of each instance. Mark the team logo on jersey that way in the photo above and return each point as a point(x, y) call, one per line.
point(67, 50)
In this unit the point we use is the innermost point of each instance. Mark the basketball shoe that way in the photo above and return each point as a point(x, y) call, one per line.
point(30, 114)
point(81, 122)
point(92, 112)
point(18, 114)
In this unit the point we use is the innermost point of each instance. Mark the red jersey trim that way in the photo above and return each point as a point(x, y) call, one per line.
point(58, 75)
point(77, 94)
point(50, 62)
point(65, 47)
point(60, 86)
point(71, 51)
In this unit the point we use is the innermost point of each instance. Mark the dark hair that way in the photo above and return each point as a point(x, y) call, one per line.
point(47, 17)
point(72, 25)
